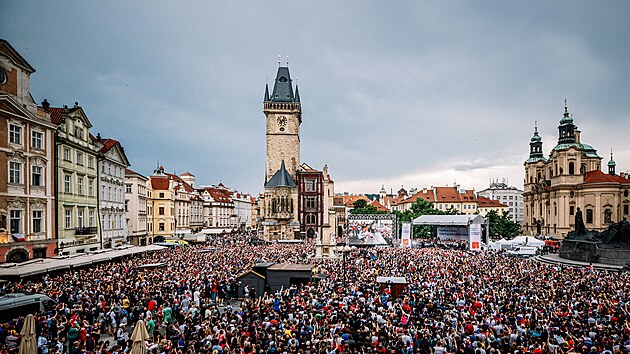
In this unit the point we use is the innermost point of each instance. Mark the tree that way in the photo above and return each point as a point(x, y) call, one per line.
point(418, 208)
point(361, 206)
point(502, 225)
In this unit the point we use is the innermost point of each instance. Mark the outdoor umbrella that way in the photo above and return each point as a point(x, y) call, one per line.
point(139, 336)
point(28, 345)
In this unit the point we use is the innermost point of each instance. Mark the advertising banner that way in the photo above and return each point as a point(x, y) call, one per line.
point(457, 233)
point(406, 235)
point(475, 237)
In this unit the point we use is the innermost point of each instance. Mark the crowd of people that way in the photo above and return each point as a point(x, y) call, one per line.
point(455, 301)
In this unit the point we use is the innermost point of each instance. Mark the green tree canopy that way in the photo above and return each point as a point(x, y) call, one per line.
point(418, 208)
point(501, 225)
point(361, 206)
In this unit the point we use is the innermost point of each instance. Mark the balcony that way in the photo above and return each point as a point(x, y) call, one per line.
point(83, 231)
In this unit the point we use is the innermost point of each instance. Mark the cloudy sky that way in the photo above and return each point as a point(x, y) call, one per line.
point(396, 93)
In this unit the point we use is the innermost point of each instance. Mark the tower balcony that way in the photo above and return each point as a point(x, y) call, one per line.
point(285, 215)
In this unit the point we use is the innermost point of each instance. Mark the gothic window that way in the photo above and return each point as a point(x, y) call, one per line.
point(571, 168)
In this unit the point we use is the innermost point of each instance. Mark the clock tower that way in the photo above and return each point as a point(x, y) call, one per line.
point(283, 113)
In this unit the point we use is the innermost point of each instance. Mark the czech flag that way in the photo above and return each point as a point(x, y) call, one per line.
point(18, 237)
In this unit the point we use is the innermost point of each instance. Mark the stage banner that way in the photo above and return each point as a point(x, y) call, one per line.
point(406, 234)
point(475, 237)
point(457, 233)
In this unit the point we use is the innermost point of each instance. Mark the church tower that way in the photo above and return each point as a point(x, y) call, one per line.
point(283, 113)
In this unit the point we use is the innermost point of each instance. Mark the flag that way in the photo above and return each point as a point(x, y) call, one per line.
point(18, 237)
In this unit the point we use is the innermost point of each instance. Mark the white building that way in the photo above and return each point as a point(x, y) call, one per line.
point(136, 207)
point(510, 196)
point(242, 210)
point(111, 179)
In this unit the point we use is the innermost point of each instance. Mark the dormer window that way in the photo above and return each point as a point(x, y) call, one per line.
point(282, 79)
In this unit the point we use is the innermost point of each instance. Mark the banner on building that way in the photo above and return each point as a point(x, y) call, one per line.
point(406, 235)
point(475, 236)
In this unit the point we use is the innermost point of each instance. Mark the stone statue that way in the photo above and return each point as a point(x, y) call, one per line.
point(580, 229)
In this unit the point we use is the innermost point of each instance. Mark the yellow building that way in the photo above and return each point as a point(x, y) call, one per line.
point(160, 206)
point(486, 205)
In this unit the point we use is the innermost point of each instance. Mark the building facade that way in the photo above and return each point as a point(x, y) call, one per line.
point(283, 113)
point(570, 179)
point(27, 194)
point(78, 227)
point(512, 197)
point(218, 209)
point(160, 206)
point(136, 208)
point(112, 163)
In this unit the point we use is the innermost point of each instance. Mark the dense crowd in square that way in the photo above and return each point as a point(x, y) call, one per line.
point(456, 301)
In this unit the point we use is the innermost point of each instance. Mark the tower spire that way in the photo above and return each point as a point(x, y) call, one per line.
point(266, 92)
point(611, 164)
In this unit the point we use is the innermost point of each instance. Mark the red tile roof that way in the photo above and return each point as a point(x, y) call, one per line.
point(428, 196)
point(56, 115)
point(187, 174)
point(489, 203)
point(187, 187)
point(348, 200)
point(468, 196)
point(447, 194)
point(218, 195)
point(378, 206)
point(598, 176)
point(159, 183)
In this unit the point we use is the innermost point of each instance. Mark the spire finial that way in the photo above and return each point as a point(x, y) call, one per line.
point(611, 153)
point(566, 106)
point(287, 61)
point(279, 60)
point(536, 126)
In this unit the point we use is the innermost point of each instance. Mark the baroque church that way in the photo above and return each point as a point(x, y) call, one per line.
point(297, 200)
point(570, 178)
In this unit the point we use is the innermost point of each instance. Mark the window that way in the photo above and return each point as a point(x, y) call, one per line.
point(103, 192)
point(161, 211)
point(126, 205)
point(571, 210)
point(571, 168)
point(15, 172)
point(127, 188)
point(91, 218)
point(90, 162)
point(625, 209)
point(79, 158)
point(161, 195)
point(67, 186)
point(36, 176)
point(78, 132)
point(37, 220)
point(589, 216)
point(36, 140)
point(90, 188)
point(66, 154)
point(15, 134)
point(109, 193)
point(68, 218)
point(309, 185)
point(15, 221)
point(80, 218)
point(161, 226)
point(80, 185)
point(310, 202)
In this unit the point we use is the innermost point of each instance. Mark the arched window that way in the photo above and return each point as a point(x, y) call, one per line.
point(571, 168)
point(583, 169)
point(589, 216)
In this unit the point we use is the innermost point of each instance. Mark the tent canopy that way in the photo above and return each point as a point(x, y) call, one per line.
point(448, 220)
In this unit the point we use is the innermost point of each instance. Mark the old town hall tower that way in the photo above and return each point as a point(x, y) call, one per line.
point(283, 114)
